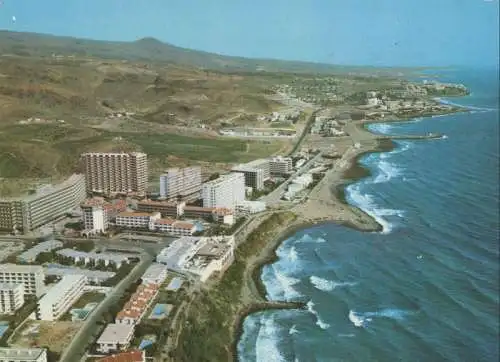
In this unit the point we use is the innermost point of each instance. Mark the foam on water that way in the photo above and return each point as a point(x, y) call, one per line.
point(293, 330)
point(326, 285)
point(310, 239)
point(387, 171)
point(266, 347)
point(279, 286)
point(362, 319)
point(366, 203)
point(382, 128)
point(319, 322)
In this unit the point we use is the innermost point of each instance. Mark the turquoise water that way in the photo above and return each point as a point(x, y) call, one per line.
point(424, 289)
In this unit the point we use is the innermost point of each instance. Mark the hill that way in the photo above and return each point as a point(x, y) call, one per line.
point(153, 50)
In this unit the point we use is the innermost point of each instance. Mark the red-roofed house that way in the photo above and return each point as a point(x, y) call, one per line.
point(130, 356)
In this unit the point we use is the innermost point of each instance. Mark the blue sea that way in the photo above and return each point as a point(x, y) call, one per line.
point(426, 288)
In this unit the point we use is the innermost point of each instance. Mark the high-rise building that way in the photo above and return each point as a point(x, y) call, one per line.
point(111, 173)
point(225, 191)
point(23, 354)
point(181, 182)
point(31, 276)
point(280, 165)
point(61, 297)
point(11, 297)
point(46, 204)
point(253, 176)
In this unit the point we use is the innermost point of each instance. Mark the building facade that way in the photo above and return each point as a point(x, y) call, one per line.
point(11, 298)
point(246, 207)
point(166, 209)
point(116, 173)
point(180, 183)
point(279, 166)
point(254, 177)
point(31, 276)
point(23, 355)
point(225, 191)
point(46, 204)
point(115, 337)
point(173, 227)
point(60, 297)
point(135, 220)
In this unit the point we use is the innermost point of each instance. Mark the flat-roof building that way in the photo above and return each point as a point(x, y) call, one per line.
point(23, 355)
point(31, 276)
point(60, 297)
point(279, 166)
point(181, 183)
point(30, 255)
point(46, 204)
point(247, 207)
point(115, 337)
point(107, 258)
point(225, 191)
point(134, 220)
point(165, 208)
point(116, 173)
point(11, 297)
point(156, 273)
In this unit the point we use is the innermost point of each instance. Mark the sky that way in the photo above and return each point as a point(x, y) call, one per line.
point(351, 32)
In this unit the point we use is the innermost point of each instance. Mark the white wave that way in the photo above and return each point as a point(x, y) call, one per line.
point(321, 324)
point(320, 240)
point(474, 108)
point(362, 319)
point(444, 137)
point(387, 171)
point(382, 128)
point(292, 254)
point(357, 319)
point(310, 239)
point(328, 285)
point(266, 347)
point(293, 330)
point(348, 335)
point(280, 286)
point(366, 203)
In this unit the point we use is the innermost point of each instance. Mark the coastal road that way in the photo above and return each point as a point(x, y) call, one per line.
point(274, 196)
point(88, 332)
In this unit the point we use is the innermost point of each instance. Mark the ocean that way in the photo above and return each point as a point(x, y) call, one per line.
point(426, 288)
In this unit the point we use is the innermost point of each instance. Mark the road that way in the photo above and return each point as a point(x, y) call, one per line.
point(274, 196)
point(88, 332)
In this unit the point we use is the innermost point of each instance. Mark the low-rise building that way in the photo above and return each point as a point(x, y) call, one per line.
point(197, 212)
point(93, 276)
point(223, 216)
point(11, 297)
point(134, 220)
point(247, 207)
point(60, 297)
point(129, 356)
point(31, 276)
point(30, 255)
point(201, 256)
point(23, 354)
point(135, 309)
point(115, 337)
point(166, 209)
point(156, 273)
point(105, 258)
point(173, 227)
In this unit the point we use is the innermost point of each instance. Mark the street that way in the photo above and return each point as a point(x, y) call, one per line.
point(88, 332)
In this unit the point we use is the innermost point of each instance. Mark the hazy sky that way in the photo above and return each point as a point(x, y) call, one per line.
point(369, 32)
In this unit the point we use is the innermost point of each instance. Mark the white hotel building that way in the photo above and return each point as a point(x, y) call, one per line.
point(61, 297)
point(225, 191)
point(31, 276)
point(181, 182)
point(23, 355)
point(136, 219)
point(280, 166)
point(11, 298)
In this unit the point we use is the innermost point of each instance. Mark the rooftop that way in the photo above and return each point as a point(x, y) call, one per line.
point(14, 268)
point(116, 333)
point(157, 203)
point(66, 283)
point(154, 271)
point(199, 208)
point(40, 248)
point(183, 225)
point(129, 356)
point(135, 214)
point(20, 354)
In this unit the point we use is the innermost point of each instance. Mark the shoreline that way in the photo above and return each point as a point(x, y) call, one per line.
point(353, 173)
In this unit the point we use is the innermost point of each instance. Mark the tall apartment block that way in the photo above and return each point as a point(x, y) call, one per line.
point(61, 297)
point(181, 182)
point(112, 173)
point(254, 177)
point(11, 297)
point(225, 191)
point(261, 164)
point(31, 276)
point(49, 202)
point(280, 165)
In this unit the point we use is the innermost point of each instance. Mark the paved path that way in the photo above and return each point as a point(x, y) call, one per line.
point(88, 332)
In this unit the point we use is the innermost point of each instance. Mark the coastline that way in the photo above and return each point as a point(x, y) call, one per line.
point(240, 292)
